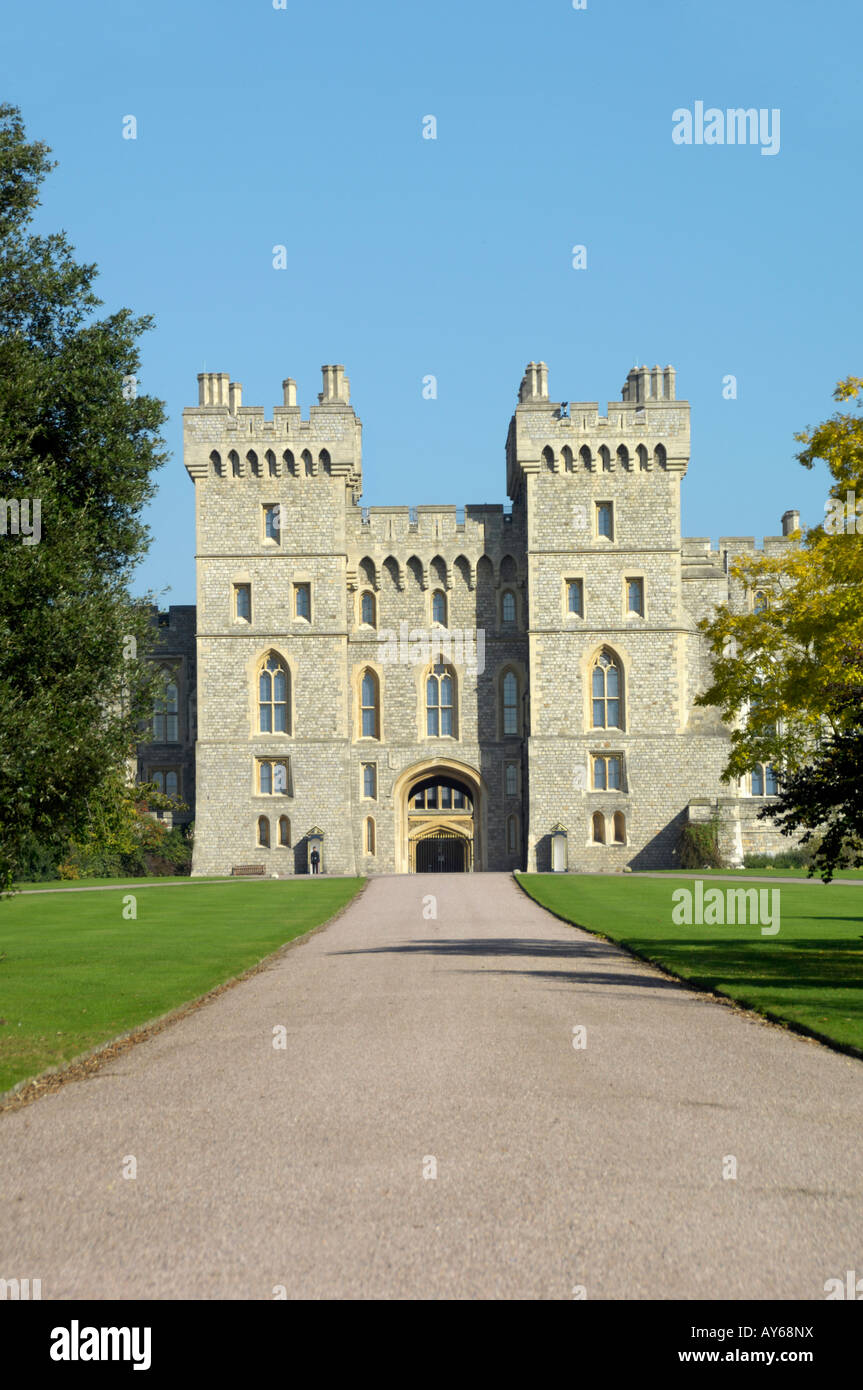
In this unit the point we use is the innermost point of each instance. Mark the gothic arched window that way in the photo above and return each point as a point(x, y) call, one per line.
point(440, 703)
point(369, 705)
point(367, 609)
point(607, 693)
point(273, 701)
point(166, 716)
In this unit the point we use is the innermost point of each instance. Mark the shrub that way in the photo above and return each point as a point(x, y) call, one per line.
point(698, 847)
point(37, 860)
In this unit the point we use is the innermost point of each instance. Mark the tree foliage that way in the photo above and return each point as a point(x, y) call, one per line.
point(823, 800)
point(789, 678)
point(78, 440)
point(786, 676)
point(123, 836)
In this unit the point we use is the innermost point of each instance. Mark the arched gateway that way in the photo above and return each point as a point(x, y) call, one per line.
point(439, 821)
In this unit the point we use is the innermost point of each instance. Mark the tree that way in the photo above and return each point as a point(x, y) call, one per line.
point(122, 836)
point(78, 446)
point(823, 799)
point(788, 671)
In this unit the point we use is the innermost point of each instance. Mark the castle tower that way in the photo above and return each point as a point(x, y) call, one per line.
point(271, 499)
point(606, 651)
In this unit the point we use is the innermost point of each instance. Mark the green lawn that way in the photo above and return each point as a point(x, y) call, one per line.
point(75, 973)
point(810, 974)
point(59, 884)
point(849, 874)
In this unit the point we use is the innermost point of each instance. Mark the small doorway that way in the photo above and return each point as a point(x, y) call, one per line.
point(443, 853)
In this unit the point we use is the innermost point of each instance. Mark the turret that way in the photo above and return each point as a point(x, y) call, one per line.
point(647, 429)
point(223, 439)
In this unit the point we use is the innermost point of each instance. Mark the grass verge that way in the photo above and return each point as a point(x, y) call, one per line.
point(75, 973)
point(808, 976)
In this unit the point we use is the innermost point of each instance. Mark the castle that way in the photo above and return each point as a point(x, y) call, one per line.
point(429, 688)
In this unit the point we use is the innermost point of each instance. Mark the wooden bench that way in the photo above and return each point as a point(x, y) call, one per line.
point(247, 870)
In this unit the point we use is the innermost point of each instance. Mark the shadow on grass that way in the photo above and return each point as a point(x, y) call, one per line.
point(774, 963)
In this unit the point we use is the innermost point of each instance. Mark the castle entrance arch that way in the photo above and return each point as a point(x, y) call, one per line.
point(440, 828)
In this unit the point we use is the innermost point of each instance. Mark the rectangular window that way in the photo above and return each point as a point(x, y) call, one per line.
point(605, 520)
point(446, 798)
point(510, 703)
point(370, 781)
point(167, 780)
point(635, 596)
point(243, 603)
point(771, 781)
point(575, 597)
point(273, 777)
point(272, 522)
point(511, 779)
point(607, 772)
point(457, 800)
point(303, 601)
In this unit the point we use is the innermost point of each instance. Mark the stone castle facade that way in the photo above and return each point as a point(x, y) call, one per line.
point(430, 688)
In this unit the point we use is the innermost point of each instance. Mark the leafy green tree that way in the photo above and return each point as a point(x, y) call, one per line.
point(123, 837)
point(823, 800)
point(78, 447)
point(788, 671)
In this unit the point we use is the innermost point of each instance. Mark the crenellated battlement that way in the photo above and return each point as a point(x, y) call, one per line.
point(646, 430)
point(477, 528)
point(223, 439)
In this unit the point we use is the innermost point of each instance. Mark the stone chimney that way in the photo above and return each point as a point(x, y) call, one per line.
point(213, 388)
point(289, 391)
point(235, 395)
point(534, 383)
point(790, 521)
point(643, 384)
point(337, 388)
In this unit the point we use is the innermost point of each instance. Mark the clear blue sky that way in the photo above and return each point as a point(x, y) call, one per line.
point(302, 126)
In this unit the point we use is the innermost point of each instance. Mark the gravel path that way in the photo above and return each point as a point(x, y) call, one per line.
point(413, 1039)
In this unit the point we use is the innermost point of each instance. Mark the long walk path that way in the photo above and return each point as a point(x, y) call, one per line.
point(417, 1045)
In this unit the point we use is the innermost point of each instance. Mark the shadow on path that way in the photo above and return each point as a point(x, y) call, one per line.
point(588, 952)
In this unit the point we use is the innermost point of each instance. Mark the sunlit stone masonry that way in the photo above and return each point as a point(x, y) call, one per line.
point(411, 689)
